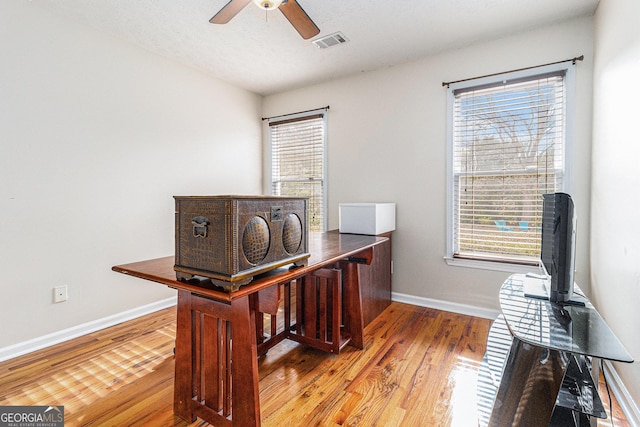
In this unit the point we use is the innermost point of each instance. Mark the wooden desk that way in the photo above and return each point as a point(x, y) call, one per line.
point(216, 377)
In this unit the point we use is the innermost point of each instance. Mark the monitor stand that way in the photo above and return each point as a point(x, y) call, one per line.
point(537, 286)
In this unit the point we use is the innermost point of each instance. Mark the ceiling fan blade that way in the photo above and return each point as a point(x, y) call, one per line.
point(299, 19)
point(229, 10)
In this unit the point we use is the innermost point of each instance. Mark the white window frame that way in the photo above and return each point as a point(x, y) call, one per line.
point(569, 83)
point(324, 113)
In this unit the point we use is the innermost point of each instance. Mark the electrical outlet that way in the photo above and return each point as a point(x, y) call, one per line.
point(60, 293)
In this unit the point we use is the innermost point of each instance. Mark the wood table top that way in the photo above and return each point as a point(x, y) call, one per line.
point(325, 249)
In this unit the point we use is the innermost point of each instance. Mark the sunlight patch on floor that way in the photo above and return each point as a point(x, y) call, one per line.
point(95, 378)
point(463, 406)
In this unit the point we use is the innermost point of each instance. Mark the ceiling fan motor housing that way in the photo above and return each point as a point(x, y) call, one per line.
point(268, 4)
point(289, 8)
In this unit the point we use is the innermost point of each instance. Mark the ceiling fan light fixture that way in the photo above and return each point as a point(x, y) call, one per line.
point(268, 4)
point(291, 10)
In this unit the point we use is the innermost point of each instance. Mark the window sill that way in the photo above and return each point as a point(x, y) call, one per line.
point(491, 265)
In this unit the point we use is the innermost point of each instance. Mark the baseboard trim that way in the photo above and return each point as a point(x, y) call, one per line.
point(469, 310)
point(38, 343)
point(618, 389)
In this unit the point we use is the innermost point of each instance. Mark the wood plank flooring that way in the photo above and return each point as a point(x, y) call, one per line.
point(418, 368)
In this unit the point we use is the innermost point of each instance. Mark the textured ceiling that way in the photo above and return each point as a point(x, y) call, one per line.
point(260, 51)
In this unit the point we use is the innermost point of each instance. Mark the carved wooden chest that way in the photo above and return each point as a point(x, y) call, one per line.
point(230, 239)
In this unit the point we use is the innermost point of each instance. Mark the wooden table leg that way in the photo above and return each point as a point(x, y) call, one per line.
point(215, 379)
point(352, 319)
point(184, 366)
point(244, 369)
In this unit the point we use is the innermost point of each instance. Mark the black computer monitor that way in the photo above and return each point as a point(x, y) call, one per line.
point(558, 246)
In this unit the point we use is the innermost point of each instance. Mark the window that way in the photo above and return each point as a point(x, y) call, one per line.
point(298, 162)
point(508, 146)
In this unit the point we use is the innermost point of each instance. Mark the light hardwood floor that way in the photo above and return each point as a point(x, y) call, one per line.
point(418, 368)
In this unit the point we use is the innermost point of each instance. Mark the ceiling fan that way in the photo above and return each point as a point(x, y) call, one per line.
point(289, 8)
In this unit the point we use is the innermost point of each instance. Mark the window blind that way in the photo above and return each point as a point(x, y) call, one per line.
point(508, 150)
point(298, 164)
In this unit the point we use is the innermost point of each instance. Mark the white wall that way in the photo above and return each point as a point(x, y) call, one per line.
point(96, 137)
point(615, 207)
point(387, 142)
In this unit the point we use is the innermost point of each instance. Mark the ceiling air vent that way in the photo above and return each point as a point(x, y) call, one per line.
point(330, 40)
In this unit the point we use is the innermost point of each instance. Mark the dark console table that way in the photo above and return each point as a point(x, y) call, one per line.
point(541, 358)
point(220, 335)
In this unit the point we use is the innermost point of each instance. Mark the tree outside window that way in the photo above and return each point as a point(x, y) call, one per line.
point(508, 150)
point(298, 162)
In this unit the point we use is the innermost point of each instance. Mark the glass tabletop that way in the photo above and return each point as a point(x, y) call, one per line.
point(575, 328)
